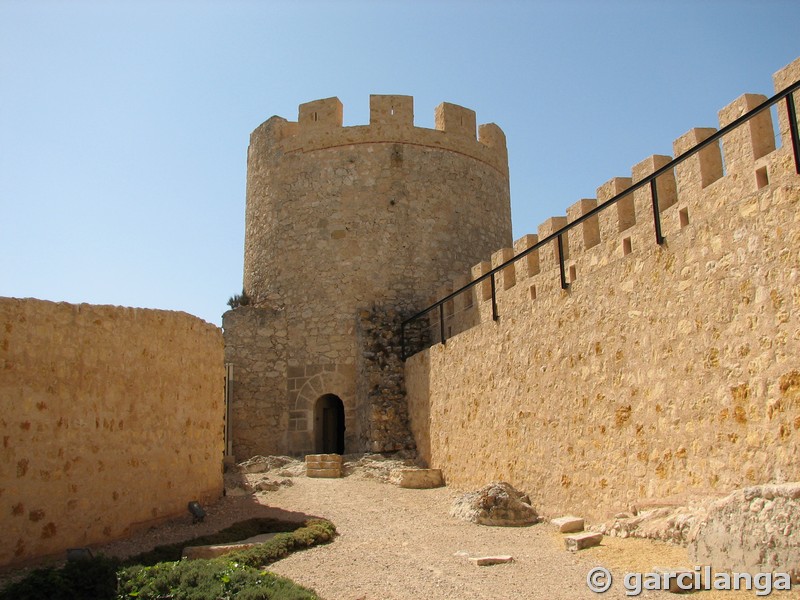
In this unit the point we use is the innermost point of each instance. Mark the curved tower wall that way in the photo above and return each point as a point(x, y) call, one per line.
point(344, 219)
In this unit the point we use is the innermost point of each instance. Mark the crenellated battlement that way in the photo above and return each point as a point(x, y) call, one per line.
point(742, 162)
point(319, 126)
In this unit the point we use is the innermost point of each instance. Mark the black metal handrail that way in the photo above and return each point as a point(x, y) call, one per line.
point(649, 180)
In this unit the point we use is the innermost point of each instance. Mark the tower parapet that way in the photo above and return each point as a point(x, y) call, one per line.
point(319, 126)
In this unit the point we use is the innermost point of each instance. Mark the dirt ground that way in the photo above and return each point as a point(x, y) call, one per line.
point(401, 544)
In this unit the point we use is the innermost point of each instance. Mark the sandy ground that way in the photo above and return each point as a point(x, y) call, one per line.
point(401, 544)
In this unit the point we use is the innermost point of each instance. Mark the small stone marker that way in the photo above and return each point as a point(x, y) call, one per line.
point(579, 541)
point(420, 479)
point(568, 524)
point(324, 465)
point(483, 561)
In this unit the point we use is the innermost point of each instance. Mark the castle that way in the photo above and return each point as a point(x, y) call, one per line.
point(644, 351)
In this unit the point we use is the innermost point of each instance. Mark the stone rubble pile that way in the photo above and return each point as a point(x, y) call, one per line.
point(497, 504)
point(672, 524)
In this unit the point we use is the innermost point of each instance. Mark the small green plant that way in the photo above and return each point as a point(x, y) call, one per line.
point(238, 300)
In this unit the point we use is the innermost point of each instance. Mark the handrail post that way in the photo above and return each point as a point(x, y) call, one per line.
point(793, 129)
point(495, 316)
point(441, 323)
point(656, 212)
point(564, 284)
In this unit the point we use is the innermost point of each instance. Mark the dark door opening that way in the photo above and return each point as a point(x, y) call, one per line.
point(329, 422)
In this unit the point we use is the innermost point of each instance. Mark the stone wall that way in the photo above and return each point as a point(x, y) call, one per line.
point(663, 370)
point(255, 344)
point(111, 418)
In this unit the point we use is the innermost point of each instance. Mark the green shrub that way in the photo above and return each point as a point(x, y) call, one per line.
point(214, 579)
point(236, 532)
point(159, 574)
point(90, 579)
point(313, 532)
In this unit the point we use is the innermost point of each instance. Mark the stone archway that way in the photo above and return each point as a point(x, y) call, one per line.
point(329, 425)
point(305, 393)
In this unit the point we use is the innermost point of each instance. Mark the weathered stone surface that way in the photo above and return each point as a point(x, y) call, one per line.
point(259, 464)
point(213, 551)
point(268, 485)
point(498, 504)
point(419, 478)
point(579, 541)
point(673, 524)
point(568, 524)
point(755, 529)
point(326, 458)
point(98, 404)
point(483, 561)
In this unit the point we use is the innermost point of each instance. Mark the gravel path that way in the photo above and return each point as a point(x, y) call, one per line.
point(400, 544)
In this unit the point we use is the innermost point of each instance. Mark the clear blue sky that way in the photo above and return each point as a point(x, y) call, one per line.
point(124, 125)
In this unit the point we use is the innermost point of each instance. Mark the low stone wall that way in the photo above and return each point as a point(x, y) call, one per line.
point(110, 418)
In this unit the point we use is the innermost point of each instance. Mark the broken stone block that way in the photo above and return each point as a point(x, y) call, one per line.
point(420, 479)
point(568, 524)
point(483, 561)
point(579, 541)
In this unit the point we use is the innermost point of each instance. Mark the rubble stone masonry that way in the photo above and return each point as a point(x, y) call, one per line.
point(110, 419)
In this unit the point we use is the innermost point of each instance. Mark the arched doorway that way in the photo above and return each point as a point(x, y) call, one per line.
point(329, 425)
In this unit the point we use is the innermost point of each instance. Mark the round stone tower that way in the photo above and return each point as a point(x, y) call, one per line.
point(342, 220)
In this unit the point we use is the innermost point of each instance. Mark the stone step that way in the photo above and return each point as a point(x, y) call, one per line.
point(324, 473)
point(419, 479)
point(579, 541)
point(568, 524)
point(323, 464)
point(324, 458)
point(483, 561)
